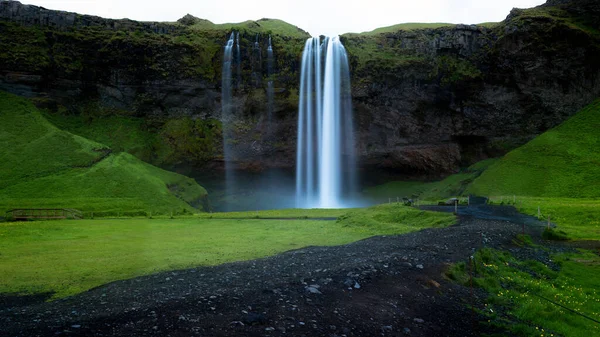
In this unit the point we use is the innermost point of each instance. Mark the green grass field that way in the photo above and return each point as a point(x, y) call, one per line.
point(44, 166)
point(68, 257)
point(579, 218)
point(519, 292)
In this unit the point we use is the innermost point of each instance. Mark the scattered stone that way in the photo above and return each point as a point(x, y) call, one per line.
point(313, 290)
point(332, 327)
point(420, 266)
point(387, 328)
point(418, 320)
point(356, 285)
point(406, 331)
point(237, 323)
point(270, 329)
point(349, 282)
point(76, 326)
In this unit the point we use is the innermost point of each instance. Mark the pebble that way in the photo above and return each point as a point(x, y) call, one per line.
point(418, 320)
point(76, 326)
point(386, 328)
point(313, 290)
point(406, 331)
point(420, 266)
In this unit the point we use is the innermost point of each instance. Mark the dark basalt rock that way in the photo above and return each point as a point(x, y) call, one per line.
point(426, 101)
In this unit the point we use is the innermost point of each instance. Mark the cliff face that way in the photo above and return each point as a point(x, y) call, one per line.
point(426, 101)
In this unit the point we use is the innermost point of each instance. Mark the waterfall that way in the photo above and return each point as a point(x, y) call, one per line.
point(325, 160)
point(227, 115)
point(238, 60)
point(270, 88)
point(257, 63)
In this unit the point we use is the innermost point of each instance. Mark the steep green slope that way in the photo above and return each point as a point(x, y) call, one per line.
point(43, 166)
point(563, 162)
point(453, 185)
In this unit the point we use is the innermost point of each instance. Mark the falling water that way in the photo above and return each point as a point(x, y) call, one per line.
point(238, 60)
point(257, 63)
point(270, 88)
point(226, 114)
point(325, 161)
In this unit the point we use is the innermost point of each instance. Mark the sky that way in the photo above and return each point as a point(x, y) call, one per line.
point(318, 17)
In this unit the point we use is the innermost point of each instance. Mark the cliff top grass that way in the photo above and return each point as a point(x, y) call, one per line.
point(263, 26)
point(407, 27)
point(43, 166)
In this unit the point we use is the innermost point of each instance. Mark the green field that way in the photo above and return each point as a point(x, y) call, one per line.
point(520, 292)
point(579, 218)
point(44, 166)
point(67, 257)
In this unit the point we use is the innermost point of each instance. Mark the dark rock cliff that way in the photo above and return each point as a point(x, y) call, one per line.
point(426, 101)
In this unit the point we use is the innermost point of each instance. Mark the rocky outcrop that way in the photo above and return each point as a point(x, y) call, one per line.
point(426, 101)
point(28, 15)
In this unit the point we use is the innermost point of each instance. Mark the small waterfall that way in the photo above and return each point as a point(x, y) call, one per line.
point(325, 160)
point(227, 114)
point(270, 88)
point(238, 60)
point(257, 63)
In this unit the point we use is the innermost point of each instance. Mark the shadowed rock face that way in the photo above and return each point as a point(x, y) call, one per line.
point(425, 101)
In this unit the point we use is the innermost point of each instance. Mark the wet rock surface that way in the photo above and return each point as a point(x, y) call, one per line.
point(381, 286)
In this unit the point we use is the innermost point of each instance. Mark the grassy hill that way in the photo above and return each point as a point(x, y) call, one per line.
point(43, 166)
point(408, 26)
point(563, 162)
point(451, 186)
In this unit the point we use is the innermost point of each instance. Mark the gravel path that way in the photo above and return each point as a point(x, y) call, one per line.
point(381, 286)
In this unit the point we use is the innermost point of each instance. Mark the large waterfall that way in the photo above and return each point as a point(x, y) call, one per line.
point(325, 160)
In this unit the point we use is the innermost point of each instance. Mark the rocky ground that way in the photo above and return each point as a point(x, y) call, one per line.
point(381, 286)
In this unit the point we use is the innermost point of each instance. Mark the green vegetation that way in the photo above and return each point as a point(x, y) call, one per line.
point(453, 185)
point(120, 133)
point(562, 162)
point(394, 219)
point(579, 218)
point(67, 257)
point(452, 70)
point(294, 213)
point(408, 26)
point(557, 15)
point(22, 48)
point(520, 292)
point(43, 166)
point(262, 26)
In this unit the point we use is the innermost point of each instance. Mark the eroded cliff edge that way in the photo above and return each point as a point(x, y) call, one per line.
point(426, 101)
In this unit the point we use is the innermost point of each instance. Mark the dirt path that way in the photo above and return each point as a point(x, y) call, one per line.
point(381, 286)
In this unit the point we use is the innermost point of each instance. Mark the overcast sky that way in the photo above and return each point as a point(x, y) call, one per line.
point(318, 17)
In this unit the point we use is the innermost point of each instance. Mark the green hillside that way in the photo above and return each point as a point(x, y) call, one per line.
point(563, 162)
point(408, 26)
point(43, 166)
point(453, 185)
